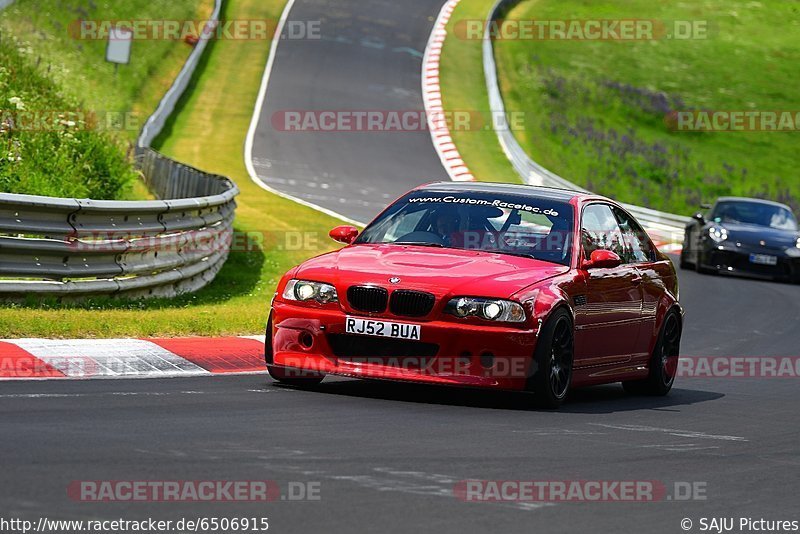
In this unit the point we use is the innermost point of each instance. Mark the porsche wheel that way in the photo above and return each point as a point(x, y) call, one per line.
point(663, 363)
point(553, 361)
point(287, 375)
point(684, 262)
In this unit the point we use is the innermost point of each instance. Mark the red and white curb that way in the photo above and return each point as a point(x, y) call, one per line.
point(432, 98)
point(129, 358)
point(669, 248)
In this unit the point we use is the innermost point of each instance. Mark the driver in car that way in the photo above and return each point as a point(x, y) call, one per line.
point(446, 224)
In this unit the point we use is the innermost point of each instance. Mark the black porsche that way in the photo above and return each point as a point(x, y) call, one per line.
point(744, 236)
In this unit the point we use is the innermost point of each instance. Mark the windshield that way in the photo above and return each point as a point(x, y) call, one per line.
point(755, 213)
point(506, 224)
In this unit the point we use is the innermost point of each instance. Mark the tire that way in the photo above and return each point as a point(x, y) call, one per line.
point(699, 269)
point(663, 362)
point(553, 359)
point(287, 375)
point(698, 266)
point(684, 263)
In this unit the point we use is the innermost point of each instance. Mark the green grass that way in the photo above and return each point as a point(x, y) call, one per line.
point(46, 147)
point(208, 133)
point(595, 111)
point(52, 75)
point(46, 28)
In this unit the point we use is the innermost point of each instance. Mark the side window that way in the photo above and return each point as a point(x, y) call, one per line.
point(637, 246)
point(599, 230)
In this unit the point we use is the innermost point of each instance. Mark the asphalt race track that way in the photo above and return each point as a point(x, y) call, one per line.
point(387, 456)
point(369, 58)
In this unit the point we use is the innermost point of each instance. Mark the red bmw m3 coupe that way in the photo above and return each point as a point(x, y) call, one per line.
point(484, 285)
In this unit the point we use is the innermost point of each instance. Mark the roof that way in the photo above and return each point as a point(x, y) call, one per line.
point(550, 193)
point(756, 200)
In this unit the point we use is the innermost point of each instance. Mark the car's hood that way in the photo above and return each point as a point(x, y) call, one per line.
point(441, 271)
point(753, 235)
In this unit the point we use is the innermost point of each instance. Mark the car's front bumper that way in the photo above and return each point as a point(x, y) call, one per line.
point(735, 259)
point(314, 339)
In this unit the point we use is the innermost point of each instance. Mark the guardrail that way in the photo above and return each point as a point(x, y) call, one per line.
point(74, 247)
point(662, 227)
point(69, 247)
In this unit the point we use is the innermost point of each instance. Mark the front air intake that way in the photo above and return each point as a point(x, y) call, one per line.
point(367, 298)
point(411, 303)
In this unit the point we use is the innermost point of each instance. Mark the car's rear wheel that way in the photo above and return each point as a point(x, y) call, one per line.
point(553, 359)
point(663, 363)
point(287, 375)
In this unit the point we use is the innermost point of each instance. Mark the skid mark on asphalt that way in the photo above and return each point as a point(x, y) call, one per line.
point(373, 43)
point(684, 447)
point(672, 432)
point(388, 479)
point(588, 436)
point(558, 432)
point(66, 395)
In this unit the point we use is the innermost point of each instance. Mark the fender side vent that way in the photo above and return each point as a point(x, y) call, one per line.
point(580, 300)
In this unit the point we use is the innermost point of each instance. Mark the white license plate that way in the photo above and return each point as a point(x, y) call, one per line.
point(763, 259)
point(369, 327)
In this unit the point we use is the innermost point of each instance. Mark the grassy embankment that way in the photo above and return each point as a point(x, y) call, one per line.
point(59, 82)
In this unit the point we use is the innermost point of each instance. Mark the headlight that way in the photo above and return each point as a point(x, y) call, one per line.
point(303, 290)
point(717, 234)
point(794, 252)
point(489, 309)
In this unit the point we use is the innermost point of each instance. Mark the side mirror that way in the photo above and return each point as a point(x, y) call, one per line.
point(699, 217)
point(344, 234)
point(603, 259)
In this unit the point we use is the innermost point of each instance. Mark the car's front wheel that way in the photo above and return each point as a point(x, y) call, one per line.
point(552, 362)
point(663, 363)
point(287, 375)
point(684, 262)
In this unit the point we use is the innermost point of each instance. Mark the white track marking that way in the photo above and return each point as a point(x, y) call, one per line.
point(259, 337)
point(251, 132)
point(92, 358)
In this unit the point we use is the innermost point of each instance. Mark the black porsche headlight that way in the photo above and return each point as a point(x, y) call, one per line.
point(305, 290)
point(490, 309)
point(717, 234)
